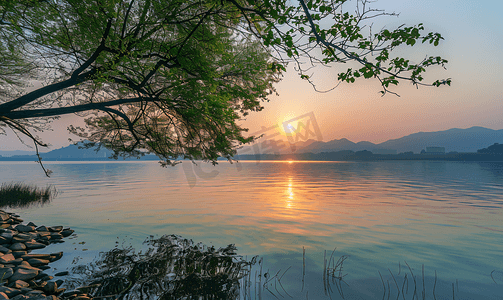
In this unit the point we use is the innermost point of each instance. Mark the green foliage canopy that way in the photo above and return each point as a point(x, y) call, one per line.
point(174, 77)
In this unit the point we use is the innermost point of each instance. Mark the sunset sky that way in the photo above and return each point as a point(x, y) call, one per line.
point(473, 45)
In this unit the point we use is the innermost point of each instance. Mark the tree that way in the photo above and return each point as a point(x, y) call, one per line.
point(173, 77)
point(493, 149)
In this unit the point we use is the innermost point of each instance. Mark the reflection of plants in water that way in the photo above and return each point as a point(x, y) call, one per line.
point(332, 273)
point(21, 195)
point(176, 268)
point(172, 268)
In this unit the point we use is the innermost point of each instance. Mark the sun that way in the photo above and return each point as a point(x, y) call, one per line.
point(287, 124)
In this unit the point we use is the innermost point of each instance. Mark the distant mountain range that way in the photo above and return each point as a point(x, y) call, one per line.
point(72, 152)
point(458, 140)
point(9, 153)
point(455, 139)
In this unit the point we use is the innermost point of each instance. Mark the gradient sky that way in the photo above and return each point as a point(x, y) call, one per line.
point(473, 45)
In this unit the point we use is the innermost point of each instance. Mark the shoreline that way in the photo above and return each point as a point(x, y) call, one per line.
point(22, 273)
point(314, 157)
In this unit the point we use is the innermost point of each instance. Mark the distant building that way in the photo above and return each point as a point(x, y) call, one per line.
point(384, 151)
point(407, 153)
point(434, 150)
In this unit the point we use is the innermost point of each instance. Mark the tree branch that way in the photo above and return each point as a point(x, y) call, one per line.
point(48, 112)
point(329, 46)
point(41, 92)
point(96, 53)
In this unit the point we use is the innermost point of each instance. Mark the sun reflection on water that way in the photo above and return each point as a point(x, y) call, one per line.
point(290, 194)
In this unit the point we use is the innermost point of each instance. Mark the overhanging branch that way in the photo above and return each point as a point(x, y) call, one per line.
point(331, 46)
point(49, 112)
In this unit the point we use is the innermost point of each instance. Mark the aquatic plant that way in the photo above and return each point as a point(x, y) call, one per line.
point(171, 268)
point(176, 268)
point(22, 195)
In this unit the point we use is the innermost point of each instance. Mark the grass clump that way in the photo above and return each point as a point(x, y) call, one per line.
point(22, 195)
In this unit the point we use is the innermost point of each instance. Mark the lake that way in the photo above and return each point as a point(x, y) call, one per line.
point(391, 218)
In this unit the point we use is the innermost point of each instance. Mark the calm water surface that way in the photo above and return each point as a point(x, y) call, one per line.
point(447, 216)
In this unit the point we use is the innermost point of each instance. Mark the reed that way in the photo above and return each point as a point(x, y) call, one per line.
point(177, 268)
point(22, 195)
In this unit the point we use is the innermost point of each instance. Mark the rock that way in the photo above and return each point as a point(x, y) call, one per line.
point(16, 261)
point(24, 228)
point(51, 287)
point(36, 294)
point(55, 236)
point(47, 278)
point(41, 276)
point(32, 235)
point(16, 220)
point(22, 270)
point(4, 250)
point(41, 228)
point(10, 292)
point(40, 283)
point(4, 216)
point(67, 232)
point(55, 228)
point(6, 273)
point(17, 247)
point(44, 240)
point(25, 236)
point(34, 245)
point(18, 254)
point(37, 262)
point(21, 238)
point(20, 297)
point(7, 234)
point(18, 284)
point(24, 274)
point(26, 265)
point(7, 258)
point(56, 256)
point(38, 255)
point(25, 290)
point(70, 294)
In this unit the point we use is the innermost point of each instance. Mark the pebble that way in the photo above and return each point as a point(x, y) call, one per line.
point(21, 271)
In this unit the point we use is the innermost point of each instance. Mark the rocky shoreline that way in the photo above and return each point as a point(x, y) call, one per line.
point(21, 272)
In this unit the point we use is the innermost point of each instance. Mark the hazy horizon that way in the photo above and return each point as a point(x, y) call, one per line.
point(306, 137)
